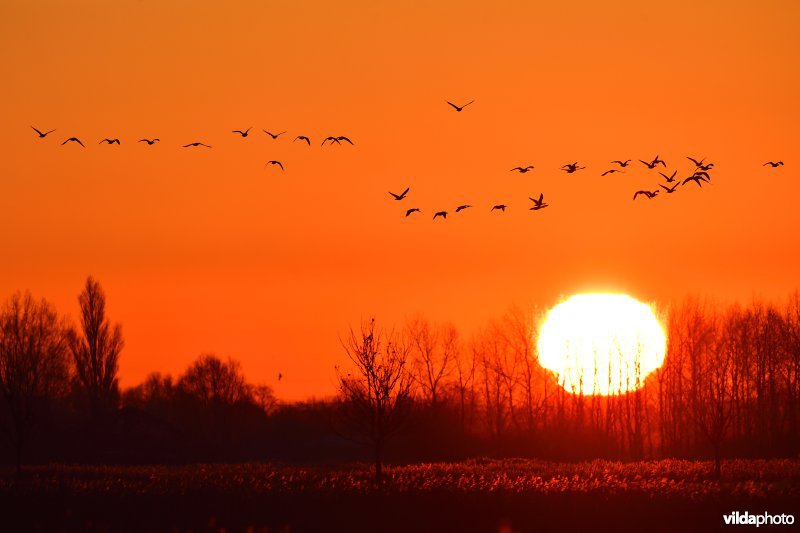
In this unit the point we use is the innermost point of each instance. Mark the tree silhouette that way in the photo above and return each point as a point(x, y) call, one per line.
point(96, 349)
point(433, 348)
point(33, 364)
point(213, 381)
point(377, 400)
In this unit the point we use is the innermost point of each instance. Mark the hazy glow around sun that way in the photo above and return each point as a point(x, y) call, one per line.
point(601, 343)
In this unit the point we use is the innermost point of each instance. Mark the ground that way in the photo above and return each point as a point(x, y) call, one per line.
point(476, 495)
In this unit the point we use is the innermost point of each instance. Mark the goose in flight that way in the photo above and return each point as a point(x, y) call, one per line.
point(303, 138)
point(522, 170)
point(501, 207)
point(273, 135)
point(697, 178)
point(195, 144)
point(401, 195)
point(623, 164)
point(703, 175)
point(413, 210)
point(611, 171)
point(538, 204)
point(149, 142)
point(462, 207)
point(42, 135)
point(331, 139)
point(73, 139)
point(569, 168)
point(709, 166)
point(109, 141)
point(697, 163)
point(343, 138)
point(649, 194)
point(442, 214)
point(459, 108)
point(244, 133)
point(273, 162)
point(669, 179)
point(670, 190)
point(772, 164)
point(652, 164)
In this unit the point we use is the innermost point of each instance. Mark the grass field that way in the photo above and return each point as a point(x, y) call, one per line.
point(476, 495)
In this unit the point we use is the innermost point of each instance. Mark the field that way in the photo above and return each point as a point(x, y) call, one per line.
point(476, 495)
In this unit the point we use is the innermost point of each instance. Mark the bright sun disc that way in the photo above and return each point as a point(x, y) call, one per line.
point(601, 343)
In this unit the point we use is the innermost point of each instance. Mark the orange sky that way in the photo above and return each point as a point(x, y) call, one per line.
point(205, 250)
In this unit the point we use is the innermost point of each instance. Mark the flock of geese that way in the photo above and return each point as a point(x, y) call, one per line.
point(332, 139)
point(699, 176)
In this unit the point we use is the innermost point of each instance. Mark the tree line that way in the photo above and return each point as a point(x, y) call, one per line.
point(729, 386)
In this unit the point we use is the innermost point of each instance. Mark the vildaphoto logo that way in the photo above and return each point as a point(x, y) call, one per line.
point(764, 519)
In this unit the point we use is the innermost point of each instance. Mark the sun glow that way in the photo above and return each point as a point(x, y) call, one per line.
point(601, 343)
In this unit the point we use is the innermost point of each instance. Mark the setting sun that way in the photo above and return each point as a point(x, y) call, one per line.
point(601, 343)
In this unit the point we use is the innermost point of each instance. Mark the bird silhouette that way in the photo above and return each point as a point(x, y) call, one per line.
point(538, 204)
point(195, 144)
point(652, 164)
point(343, 138)
point(42, 135)
point(709, 166)
point(569, 168)
point(697, 179)
point(442, 214)
point(109, 141)
point(244, 133)
point(670, 190)
point(669, 179)
point(703, 174)
point(331, 139)
point(697, 163)
point(303, 138)
point(413, 210)
point(611, 171)
point(73, 139)
point(522, 170)
point(459, 108)
point(462, 207)
point(273, 135)
point(649, 194)
point(401, 195)
point(623, 164)
point(273, 162)
point(773, 165)
point(149, 141)
point(501, 207)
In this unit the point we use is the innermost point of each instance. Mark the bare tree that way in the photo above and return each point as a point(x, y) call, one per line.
point(33, 364)
point(377, 399)
point(709, 356)
point(432, 349)
point(96, 349)
point(465, 383)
